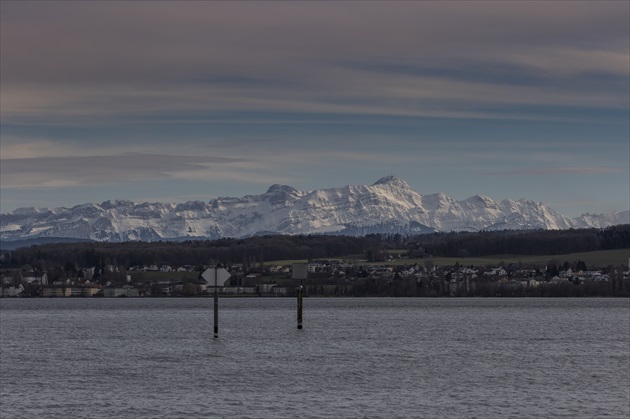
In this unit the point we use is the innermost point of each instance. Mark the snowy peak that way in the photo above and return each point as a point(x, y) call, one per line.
point(276, 188)
point(480, 200)
point(389, 205)
point(603, 220)
point(392, 181)
point(385, 179)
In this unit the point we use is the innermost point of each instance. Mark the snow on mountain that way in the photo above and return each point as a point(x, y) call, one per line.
point(602, 220)
point(389, 205)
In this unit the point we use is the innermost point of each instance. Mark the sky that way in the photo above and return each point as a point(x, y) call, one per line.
point(179, 101)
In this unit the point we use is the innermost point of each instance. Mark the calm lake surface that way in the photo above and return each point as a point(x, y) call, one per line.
point(376, 358)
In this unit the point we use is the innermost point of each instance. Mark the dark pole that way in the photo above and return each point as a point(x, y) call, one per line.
point(299, 272)
point(299, 306)
point(216, 306)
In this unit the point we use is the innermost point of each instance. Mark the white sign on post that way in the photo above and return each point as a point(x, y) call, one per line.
point(216, 277)
point(300, 270)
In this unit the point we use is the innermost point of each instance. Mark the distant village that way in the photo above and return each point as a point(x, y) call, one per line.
point(326, 278)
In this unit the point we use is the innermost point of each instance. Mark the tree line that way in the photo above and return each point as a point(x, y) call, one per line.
point(254, 251)
point(250, 252)
point(521, 242)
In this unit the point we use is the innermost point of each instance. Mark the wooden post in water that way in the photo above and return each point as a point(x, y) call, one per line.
point(299, 272)
point(299, 307)
point(216, 277)
point(216, 309)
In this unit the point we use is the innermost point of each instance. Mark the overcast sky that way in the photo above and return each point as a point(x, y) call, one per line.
point(177, 101)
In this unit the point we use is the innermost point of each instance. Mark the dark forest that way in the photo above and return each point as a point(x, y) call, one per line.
point(255, 250)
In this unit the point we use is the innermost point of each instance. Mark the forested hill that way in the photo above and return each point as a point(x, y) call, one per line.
point(282, 247)
point(543, 242)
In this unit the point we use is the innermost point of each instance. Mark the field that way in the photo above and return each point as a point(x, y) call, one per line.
point(597, 258)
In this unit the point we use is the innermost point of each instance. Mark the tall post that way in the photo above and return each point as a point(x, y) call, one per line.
point(216, 306)
point(299, 307)
point(214, 277)
point(299, 273)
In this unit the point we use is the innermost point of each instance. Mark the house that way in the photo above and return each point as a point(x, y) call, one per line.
point(33, 279)
point(202, 286)
point(237, 290)
point(110, 268)
point(12, 291)
point(57, 291)
point(313, 268)
point(121, 291)
point(265, 288)
point(7, 280)
point(499, 271)
point(76, 292)
point(533, 282)
point(89, 290)
point(88, 273)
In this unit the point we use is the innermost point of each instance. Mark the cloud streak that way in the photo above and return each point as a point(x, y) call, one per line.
point(93, 170)
point(63, 61)
point(186, 39)
point(63, 172)
point(566, 170)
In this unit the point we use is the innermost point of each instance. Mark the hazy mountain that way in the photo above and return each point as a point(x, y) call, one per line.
point(387, 206)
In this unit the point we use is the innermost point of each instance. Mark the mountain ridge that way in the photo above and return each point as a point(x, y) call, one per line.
point(389, 205)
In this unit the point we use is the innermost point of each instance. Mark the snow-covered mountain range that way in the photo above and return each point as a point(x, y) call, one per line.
point(388, 206)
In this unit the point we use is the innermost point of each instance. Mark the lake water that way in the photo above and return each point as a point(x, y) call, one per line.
point(355, 358)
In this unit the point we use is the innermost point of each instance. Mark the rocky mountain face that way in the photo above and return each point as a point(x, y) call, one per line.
point(387, 206)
